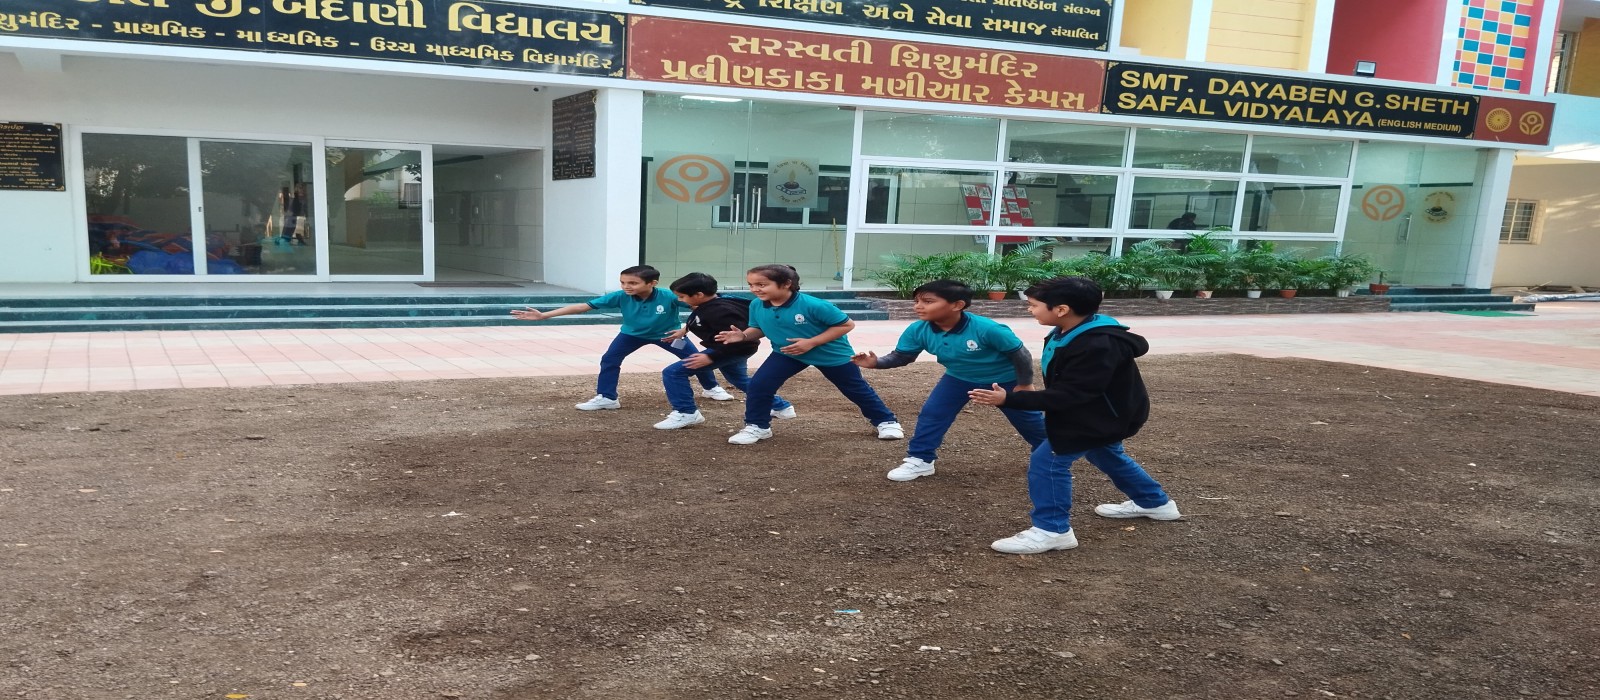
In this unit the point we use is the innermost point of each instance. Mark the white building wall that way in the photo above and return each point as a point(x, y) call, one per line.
point(591, 225)
point(1567, 249)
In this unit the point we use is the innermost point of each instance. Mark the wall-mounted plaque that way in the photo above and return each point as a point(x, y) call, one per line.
point(572, 136)
point(30, 157)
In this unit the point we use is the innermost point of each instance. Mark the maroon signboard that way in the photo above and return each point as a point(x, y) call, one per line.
point(1514, 121)
point(706, 53)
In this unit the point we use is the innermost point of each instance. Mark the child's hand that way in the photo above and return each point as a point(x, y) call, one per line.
point(732, 335)
point(867, 359)
point(675, 335)
point(988, 397)
point(697, 360)
point(798, 346)
point(528, 314)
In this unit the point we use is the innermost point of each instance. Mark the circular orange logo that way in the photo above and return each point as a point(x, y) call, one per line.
point(1531, 123)
point(1498, 119)
point(1383, 202)
point(693, 179)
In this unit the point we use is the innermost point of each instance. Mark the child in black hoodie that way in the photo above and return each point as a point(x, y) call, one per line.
point(1093, 399)
point(712, 314)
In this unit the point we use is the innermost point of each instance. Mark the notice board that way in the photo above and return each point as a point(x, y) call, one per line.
point(572, 136)
point(30, 157)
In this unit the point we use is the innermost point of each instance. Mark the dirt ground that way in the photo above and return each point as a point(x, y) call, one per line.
point(1350, 532)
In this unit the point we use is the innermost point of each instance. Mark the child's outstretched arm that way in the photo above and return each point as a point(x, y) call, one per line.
point(868, 359)
point(532, 314)
point(734, 334)
point(801, 346)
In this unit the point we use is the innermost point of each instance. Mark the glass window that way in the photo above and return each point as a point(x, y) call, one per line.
point(1065, 144)
point(1182, 204)
point(1059, 200)
point(1517, 225)
point(930, 136)
point(930, 197)
point(136, 192)
point(1290, 207)
point(1277, 155)
point(260, 203)
point(372, 231)
point(1172, 149)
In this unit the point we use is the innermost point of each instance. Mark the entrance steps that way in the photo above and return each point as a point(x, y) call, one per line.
point(239, 312)
point(1451, 299)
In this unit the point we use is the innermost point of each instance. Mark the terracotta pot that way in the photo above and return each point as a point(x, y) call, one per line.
point(1379, 289)
point(1203, 294)
point(997, 295)
point(1287, 293)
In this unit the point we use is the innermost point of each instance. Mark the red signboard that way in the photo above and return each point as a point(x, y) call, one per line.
point(1513, 121)
point(706, 53)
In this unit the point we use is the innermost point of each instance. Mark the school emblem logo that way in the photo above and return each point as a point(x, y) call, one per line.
point(660, 309)
point(799, 318)
point(972, 345)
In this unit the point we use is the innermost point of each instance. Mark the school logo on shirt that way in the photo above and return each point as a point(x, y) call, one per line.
point(799, 318)
point(660, 309)
point(971, 345)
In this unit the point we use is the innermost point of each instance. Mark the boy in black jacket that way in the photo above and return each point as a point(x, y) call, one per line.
point(1093, 400)
point(712, 314)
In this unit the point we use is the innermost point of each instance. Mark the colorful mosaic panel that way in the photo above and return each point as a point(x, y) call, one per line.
point(1495, 39)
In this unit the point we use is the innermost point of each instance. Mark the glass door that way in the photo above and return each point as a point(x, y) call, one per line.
point(259, 208)
point(1413, 211)
point(731, 184)
point(379, 211)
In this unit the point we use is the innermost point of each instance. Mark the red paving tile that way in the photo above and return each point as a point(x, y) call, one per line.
point(1553, 349)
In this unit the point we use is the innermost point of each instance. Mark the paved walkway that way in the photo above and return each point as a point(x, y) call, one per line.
point(1558, 348)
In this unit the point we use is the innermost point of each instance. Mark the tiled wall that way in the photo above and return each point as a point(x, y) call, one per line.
point(1495, 44)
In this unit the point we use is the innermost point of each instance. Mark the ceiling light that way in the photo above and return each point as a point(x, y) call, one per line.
point(708, 98)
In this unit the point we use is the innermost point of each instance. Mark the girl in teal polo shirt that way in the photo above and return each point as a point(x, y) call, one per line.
point(649, 314)
point(805, 332)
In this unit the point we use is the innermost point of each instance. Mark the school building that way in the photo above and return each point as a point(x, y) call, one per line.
point(210, 142)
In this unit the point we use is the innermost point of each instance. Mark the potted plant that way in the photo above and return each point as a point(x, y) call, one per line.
point(1160, 265)
point(1210, 257)
point(1379, 287)
point(1003, 273)
point(1254, 267)
point(1347, 270)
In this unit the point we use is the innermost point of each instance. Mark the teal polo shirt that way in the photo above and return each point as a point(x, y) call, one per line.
point(1057, 339)
point(803, 316)
point(973, 351)
point(648, 318)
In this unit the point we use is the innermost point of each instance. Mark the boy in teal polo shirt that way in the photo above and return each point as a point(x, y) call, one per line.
point(649, 315)
point(805, 332)
point(977, 353)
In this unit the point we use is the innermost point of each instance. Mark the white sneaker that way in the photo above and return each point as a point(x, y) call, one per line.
point(911, 469)
point(1129, 509)
point(890, 430)
point(784, 413)
point(677, 420)
point(1035, 541)
point(750, 435)
point(716, 393)
point(599, 403)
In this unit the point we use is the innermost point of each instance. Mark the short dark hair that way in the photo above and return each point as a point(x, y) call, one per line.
point(644, 272)
point(948, 290)
point(694, 283)
point(780, 274)
point(1080, 294)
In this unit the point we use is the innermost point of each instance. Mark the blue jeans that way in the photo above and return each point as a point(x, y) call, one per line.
point(778, 368)
point(945, 402)
point(624, 345)
point(1050, 482)
point(675, 378)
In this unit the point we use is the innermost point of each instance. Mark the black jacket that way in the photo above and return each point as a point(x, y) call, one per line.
point(1093, 395)
point(716, 316)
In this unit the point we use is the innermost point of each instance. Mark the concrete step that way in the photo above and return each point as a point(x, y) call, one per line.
point(1433, 291)
point(1447, 298)
point(1462, 306)
point(94, 313)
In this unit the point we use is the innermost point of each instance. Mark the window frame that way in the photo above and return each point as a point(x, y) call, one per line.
point(1509, 219)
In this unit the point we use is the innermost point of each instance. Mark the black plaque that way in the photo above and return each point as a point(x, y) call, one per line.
point(30, 157)
point(479, 33)
point(572, 136)
point(1250, 98)
point(1076, 24)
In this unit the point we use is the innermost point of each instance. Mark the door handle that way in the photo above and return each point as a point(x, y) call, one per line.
point(755, 206)
point(1405, 229)
point(733, 215)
